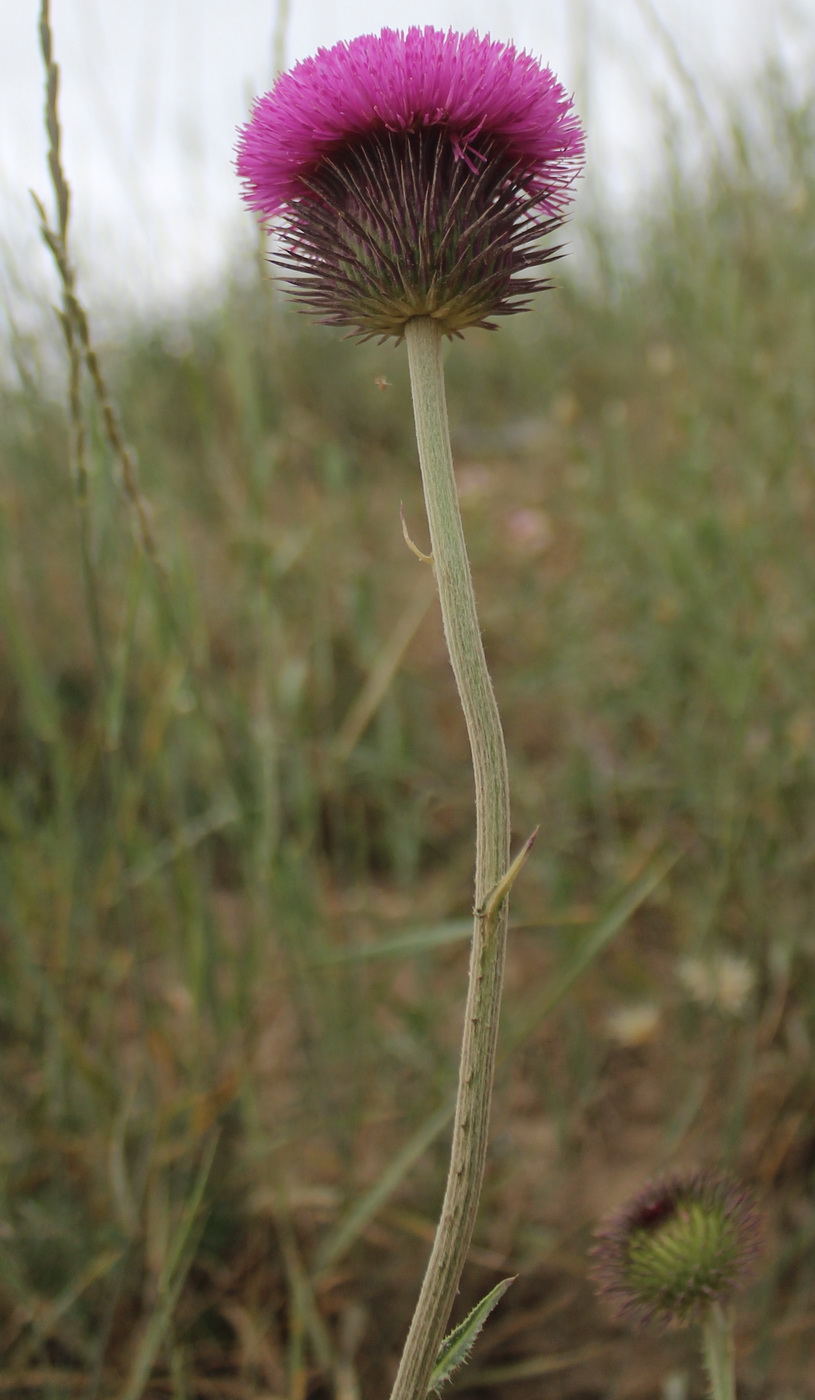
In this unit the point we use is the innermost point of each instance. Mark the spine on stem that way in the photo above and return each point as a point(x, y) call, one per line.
point(463, 637)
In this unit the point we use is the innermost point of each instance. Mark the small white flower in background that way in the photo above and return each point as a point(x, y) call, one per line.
point(724, 982)
point(634, 1024)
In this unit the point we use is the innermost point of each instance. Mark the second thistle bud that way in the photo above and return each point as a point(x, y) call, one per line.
point(682, 1244)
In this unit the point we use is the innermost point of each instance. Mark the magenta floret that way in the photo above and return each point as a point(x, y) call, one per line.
point(474, 87)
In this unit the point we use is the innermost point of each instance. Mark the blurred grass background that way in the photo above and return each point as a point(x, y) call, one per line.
point(237, 825)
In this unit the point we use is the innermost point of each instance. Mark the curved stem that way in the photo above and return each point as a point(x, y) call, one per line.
point(461, 630)
point(717, 1335)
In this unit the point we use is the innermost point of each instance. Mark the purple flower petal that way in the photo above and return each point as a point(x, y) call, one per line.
point(394, 81)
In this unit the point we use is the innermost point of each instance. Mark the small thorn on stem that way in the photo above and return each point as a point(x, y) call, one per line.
point(414, 548)
point(489, 908)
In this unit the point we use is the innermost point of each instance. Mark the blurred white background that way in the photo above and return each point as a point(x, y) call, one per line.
point(152, 93)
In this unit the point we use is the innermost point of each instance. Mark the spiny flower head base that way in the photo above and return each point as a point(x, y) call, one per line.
point(685, 1242)
point(412, 174)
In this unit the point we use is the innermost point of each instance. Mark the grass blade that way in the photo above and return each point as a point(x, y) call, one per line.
point(594, 942)
point(349, 1229)
point(176, 1267)
point(417, 940)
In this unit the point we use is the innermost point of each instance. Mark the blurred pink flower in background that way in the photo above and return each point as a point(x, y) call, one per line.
point(529, 530)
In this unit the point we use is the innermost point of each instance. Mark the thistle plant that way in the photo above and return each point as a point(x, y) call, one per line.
point(676, 1254)
point(410, 178)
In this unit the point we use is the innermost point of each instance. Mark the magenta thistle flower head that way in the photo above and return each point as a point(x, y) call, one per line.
point(683, 1243)
point(413, 174)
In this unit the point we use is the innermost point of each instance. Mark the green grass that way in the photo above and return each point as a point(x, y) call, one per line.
point(224, 1104)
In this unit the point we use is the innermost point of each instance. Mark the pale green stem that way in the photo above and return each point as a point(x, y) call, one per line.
point(463, 636)
point(717, 1341)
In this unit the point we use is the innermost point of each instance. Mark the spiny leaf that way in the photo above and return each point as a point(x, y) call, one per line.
point(455, 1348)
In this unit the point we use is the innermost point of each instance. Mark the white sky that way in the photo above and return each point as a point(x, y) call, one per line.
point(152, 91)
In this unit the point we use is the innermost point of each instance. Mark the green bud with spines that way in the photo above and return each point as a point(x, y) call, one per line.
point(684, 1243)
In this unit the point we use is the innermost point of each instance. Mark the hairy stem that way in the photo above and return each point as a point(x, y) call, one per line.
point(461, 630)
point(717, 1335)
